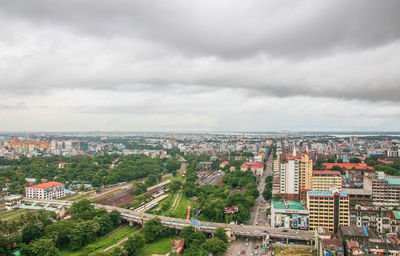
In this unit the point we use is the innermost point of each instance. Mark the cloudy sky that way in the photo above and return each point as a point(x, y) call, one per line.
point(199, 65)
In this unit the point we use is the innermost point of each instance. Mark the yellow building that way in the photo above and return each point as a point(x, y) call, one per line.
point(305, 171)
point(328, 209)
point(28, 145)
point(326, 180)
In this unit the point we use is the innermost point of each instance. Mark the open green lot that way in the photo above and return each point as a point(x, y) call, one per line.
point(11, 215)
point(162, 246)
point(103, 242)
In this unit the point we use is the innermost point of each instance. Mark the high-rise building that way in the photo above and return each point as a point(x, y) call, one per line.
point(295, 175)
point(328, 209)
point(306, 171)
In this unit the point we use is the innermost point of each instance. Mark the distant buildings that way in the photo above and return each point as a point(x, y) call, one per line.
point(48, 190)
point(28, 144)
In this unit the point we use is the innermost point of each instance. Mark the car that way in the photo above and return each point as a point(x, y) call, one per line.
point(239, 253)
point(247, 239)
point(243, 252)
point(256, 247)
point(265, 231)
point(247, 243)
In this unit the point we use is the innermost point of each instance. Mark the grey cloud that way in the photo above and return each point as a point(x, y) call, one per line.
point(16, 106)
point(275, 28)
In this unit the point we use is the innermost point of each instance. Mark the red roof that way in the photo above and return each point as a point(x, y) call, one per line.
point(348, 166)
point(46, 185)
point(326, 173)
point(289, 157)
point(252, 165)
point(224, 163)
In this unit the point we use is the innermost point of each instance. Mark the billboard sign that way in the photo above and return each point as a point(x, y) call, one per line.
point(232, 209)
point(196, 223)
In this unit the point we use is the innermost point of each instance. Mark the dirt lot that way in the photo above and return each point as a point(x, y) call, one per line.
point(120, 197)
point(279, 251)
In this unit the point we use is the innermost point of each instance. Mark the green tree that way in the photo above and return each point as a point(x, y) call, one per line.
point(215, 245)
point(220, 233)
point(115, 217)
point(30, 233)
point(175, 186)
point(134, 244)
point(187, 233)
point(82, 209)
point(44, 247)
point(4, 246)
point(153, 230)
point(355, 160)
point(59, 232)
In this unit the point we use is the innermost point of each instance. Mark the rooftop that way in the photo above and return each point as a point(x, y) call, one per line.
point(393, 181)
point(348, 166)
point(46, 185)
point(325, 193)
point(291, 205)
point(330, 173)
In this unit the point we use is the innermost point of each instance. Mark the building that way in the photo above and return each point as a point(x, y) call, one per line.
point(289, 214)
point(28, 144)
point(386, 192)
point(326, 180)
point(256, 168)
point(332, 247)
point(347, 166)
point(359, 234)
point(10, 202)
point(48, 190)
point(305, 171)
point(223, 164)
point(394, 221)
point(289, 177)
point(328, 209)
point(376, 218)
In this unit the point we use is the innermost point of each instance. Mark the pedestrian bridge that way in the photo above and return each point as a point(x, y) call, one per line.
point(132, 216)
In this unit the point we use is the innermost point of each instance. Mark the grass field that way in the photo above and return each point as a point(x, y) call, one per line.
point(77, 197)
point(162, 246)
point(14, 214)
point(181, 209)
point(280, 251)
point(103, 242)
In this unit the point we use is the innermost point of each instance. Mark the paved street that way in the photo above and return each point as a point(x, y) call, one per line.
point(258, 218)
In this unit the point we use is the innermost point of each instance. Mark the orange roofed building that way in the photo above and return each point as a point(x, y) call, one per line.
point(48, 190)
point(347, 166)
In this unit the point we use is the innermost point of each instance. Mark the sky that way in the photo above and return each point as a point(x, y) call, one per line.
point(243, 65)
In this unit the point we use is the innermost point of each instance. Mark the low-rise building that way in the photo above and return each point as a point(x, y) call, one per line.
point(256, 168)
point(48, 190)
point(289, 214)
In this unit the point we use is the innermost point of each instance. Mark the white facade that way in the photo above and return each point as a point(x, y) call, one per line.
point(289, 174)
point(48, 190)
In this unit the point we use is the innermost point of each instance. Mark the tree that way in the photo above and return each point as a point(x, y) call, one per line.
point(175, 185)
point(153, 230)
point(187, 233)
point(267, 194)
point(336, 168)
point(215, 245)
point(140, 188)
point(134, 244)
point(355, 160)
point(59, 232)
point(30, 233)
point(195, 250)
point(115, 218)
point(82, 209)
point(44, 247)
point(220, 233)
point(4, 246)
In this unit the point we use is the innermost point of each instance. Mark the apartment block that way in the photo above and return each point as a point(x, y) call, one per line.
point(328, 209)
point(386, 192)
point(48, 190)
point(326, 180)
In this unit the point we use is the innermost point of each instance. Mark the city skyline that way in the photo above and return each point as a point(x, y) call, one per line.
point(199, 66)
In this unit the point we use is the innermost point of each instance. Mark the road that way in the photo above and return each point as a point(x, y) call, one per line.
point(258, 218)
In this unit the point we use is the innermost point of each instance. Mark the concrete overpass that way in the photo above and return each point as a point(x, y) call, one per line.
point(175, 223)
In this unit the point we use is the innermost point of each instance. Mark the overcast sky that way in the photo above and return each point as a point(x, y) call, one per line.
point(199, 65)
